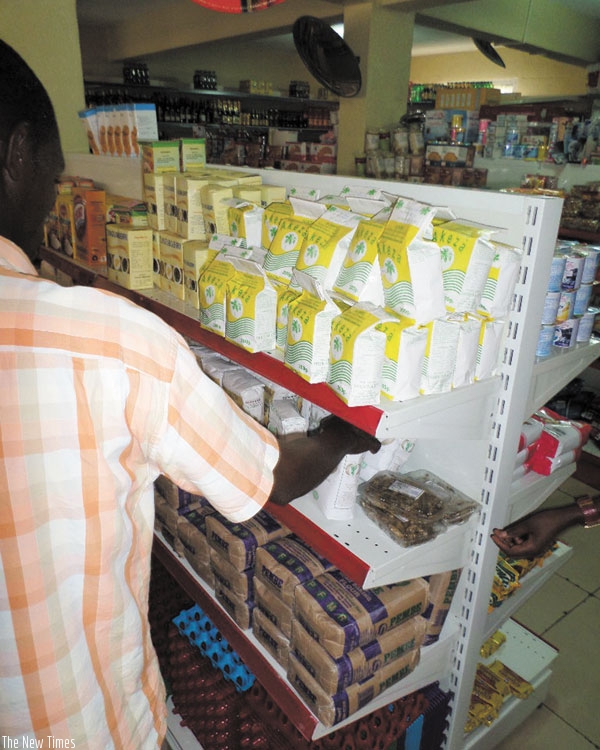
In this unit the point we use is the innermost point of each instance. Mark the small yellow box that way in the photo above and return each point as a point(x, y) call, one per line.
point(159, 157)
point(170, 200)
point(154, 195)
point(272, 194)
point(171, 264)
point(190, 215)
point(129, 256)
point(192, 153)
point(214, 207)
point(196, 256)
point(156, 257)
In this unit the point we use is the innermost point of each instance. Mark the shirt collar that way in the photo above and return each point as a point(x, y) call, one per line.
point(13, 258)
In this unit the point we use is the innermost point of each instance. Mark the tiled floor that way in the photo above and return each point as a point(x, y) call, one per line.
point(566, 613)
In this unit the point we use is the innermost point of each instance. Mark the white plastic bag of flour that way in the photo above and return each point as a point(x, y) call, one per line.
point(490, 348)
point(440, 355)
point(404, 357)
point(392, 456)
point(466, 352)
point(497, 295)
point(336, 496)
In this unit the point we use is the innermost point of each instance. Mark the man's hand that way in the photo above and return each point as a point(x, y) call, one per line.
point(305, 461)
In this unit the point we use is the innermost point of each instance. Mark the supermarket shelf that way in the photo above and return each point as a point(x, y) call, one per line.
point(365, 553)
point(529, 656)
point(434, 664)
point(551, 374)
point(440, 416)
point(530, 491)
point(530, 583)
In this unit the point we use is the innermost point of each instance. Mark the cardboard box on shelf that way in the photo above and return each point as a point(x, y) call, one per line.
point(89, 212)
point(129, 256)
point(465, 98)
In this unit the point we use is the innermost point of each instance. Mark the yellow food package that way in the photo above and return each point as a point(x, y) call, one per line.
point(196, 256)
point(326, 244)
point(212, 285)
point(285, 295)
point(309, 331)
point(497, 294)
point(403, 358)
point(411, 268)
point(154, 195)
point(440, 354)
point(251, 308)
point(190, 213)
point(245, 220)
point(171, 264)
point(214, 206)
point(357, 354)
point(159, 157)
point(272, 216)
point(170, 201)
point(129, 256)
point(467, 256)
point(361, 264)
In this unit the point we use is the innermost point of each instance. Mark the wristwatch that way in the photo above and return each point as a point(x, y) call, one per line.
point(591, 512)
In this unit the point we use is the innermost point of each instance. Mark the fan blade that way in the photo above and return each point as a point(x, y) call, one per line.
point(486, 49)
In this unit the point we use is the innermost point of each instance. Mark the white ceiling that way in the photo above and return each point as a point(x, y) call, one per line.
point(426, 40)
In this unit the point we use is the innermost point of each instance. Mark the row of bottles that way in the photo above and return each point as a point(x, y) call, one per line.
point(213, 111)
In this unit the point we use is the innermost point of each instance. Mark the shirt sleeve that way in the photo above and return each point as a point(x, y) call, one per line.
point(211, 447)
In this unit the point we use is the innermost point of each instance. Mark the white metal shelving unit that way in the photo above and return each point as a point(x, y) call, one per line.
point(468, 437)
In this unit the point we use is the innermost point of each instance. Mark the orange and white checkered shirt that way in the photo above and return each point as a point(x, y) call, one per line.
point(97, 398)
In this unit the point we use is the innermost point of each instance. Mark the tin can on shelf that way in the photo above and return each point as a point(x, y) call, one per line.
point(565, 333)
point(545, 339)
point(586, 325)
point(557, 271)
point(550, 310)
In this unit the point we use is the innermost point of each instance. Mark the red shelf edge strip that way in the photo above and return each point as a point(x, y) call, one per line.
point(338, 554)
point(282, 694)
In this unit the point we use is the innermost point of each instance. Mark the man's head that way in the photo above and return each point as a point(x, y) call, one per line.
point(30, 154)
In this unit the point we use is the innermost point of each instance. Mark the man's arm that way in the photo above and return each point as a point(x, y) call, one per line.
point(305, 461)
point(536, 533)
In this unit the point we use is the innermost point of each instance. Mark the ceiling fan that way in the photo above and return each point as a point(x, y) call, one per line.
point(486, 49)
point(328, 58)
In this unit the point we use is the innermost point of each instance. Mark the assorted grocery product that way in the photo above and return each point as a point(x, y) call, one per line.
point(338, 643)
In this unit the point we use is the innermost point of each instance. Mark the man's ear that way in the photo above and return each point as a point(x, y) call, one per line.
point(18, 151)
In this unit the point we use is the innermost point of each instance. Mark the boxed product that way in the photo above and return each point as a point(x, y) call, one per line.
point(171, 264)
point(123, 210)
point(66, 224)
point(154, 195)
point(449, 154)
point(89, 211)
point(192, 153)
point(130, 256)
point(196, 256)
point(283, 564)
point(170, 201)
point(156, 258)
point(341, 616)
point(214, 199)
point(160, 157)
point(143, 124)
point(239, 541)
point(190, 214)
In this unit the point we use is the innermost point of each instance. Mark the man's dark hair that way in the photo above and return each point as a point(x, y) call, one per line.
point(23, 98)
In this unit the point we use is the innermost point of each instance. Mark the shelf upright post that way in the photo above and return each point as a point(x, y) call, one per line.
point(540, 222)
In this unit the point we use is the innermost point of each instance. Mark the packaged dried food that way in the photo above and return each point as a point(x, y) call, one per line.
point(414, 507)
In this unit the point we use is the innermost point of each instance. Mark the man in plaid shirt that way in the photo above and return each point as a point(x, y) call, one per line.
point(99, 397)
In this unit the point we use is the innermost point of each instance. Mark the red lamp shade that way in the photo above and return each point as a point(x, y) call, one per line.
point(237, 6)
